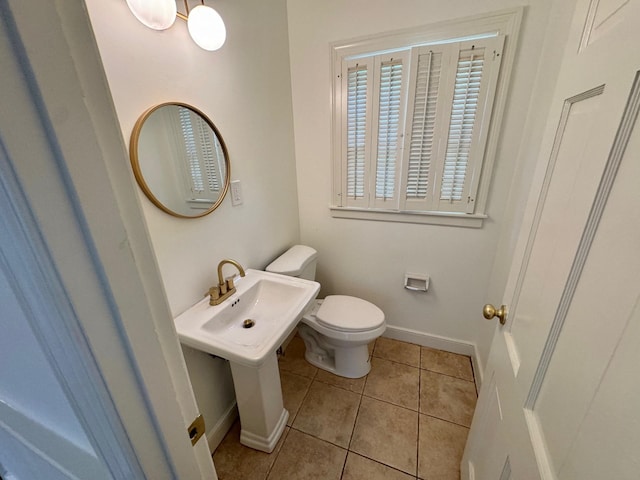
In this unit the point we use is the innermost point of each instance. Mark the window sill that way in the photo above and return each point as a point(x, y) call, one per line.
point(430, 218)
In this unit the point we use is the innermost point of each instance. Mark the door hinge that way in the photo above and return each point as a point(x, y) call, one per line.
point(196, 429)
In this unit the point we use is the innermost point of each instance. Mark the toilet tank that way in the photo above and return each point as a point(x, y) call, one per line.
point(298, 261)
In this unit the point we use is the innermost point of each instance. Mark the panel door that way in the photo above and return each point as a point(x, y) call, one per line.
point(560, 397)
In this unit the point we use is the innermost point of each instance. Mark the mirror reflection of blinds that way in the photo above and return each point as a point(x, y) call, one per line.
point(219, 163)
point(195, 174)
point(356, 130)
point(463, 119)
point(421, 145)
point(388, 125)
point(208, 155)
point(203, 154)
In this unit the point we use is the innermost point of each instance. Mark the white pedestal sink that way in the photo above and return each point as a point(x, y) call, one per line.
point(247, 329)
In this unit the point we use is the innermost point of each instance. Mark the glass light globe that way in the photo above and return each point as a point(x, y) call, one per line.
point(206, 28)
point(155, 14)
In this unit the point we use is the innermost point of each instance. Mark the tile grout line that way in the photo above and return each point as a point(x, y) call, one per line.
point(381, 463)
point(445, 420)
point(286, 434)
point(303, 398)
point(394, 361)
point(357, 413)
point(448, 375)
point(396, 404)
point(355, 422)
point(324, 382)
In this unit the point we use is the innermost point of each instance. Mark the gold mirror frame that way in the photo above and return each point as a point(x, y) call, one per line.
point(137, 171)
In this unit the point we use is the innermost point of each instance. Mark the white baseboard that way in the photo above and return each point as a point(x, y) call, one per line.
point(440, 343)
point(220, 429)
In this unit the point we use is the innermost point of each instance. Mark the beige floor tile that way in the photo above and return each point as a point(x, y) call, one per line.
point(328, 413)
point(294, 388)
point(393, 382)
point(352, 384)
point(293, 359)
point(361, 468)
point(447, 397)
point(234, 461)
point(397, 351)
point(440, 449)
point(447, 363)
point(387, 433)
point(303, 457)
point(370, 347)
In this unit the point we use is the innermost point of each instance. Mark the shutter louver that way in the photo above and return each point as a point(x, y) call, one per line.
point(356, 130)
point(195, 174)
point(463, 118)
point(388, 125)
point(423, 124)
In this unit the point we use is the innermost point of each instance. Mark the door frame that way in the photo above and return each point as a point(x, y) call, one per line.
point(102, 315)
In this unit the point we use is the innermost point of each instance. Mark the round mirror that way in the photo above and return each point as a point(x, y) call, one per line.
point(180, 160)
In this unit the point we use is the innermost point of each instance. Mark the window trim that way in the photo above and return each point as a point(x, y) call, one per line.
point(505, 22)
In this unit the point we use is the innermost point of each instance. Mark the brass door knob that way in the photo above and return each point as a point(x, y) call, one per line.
point(489, 311)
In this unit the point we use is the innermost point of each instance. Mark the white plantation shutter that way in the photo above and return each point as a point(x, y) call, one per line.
point(463, 119)
point(358, 103)
point(422, 146)
point(423, 124)
point(389, 107)
point(476, 72)
point(414, 125)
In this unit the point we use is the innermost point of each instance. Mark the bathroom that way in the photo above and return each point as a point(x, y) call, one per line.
point(270, 72)
point(267, 91)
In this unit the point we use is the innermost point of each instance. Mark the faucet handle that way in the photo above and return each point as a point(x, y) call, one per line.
point(230, 285)
point(214, 293)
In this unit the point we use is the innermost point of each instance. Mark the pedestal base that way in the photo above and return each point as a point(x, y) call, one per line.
point(259, 397)
point(256, 442)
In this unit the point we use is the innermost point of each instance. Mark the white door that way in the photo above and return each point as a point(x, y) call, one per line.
point(77, 265)
point(561, 392)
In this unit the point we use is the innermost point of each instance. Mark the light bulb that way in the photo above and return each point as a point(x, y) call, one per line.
point(155, 14)
point(206, 28)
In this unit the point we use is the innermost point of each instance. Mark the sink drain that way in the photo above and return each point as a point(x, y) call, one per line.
point(248, 323)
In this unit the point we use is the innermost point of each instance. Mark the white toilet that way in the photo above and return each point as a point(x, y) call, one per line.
point(337, 330)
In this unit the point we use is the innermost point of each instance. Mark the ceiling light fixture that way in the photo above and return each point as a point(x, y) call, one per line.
point(205, 25)
point(155, 14)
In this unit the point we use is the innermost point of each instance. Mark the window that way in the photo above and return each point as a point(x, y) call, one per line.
point(412, 123)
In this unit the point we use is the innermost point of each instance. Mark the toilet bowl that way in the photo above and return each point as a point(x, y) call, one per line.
point(337, 330)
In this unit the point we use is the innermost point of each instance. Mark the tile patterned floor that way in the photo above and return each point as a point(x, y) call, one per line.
point(407, 419)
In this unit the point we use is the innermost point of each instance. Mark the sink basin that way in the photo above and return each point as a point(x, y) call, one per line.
point(253, 322)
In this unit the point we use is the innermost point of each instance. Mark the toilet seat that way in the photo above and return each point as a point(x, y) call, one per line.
point(349, 314)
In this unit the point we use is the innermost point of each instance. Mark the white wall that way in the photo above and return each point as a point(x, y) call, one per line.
point(245, 89)
point(368, 258)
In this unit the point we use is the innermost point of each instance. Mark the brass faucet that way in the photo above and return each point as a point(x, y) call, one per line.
point(219, 293)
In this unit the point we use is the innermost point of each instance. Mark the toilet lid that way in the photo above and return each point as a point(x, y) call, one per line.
point(349, 314)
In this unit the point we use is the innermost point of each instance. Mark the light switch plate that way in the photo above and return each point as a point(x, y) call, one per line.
point(236, 193)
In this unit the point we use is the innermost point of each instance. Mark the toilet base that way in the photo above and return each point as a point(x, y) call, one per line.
point(349, 362)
